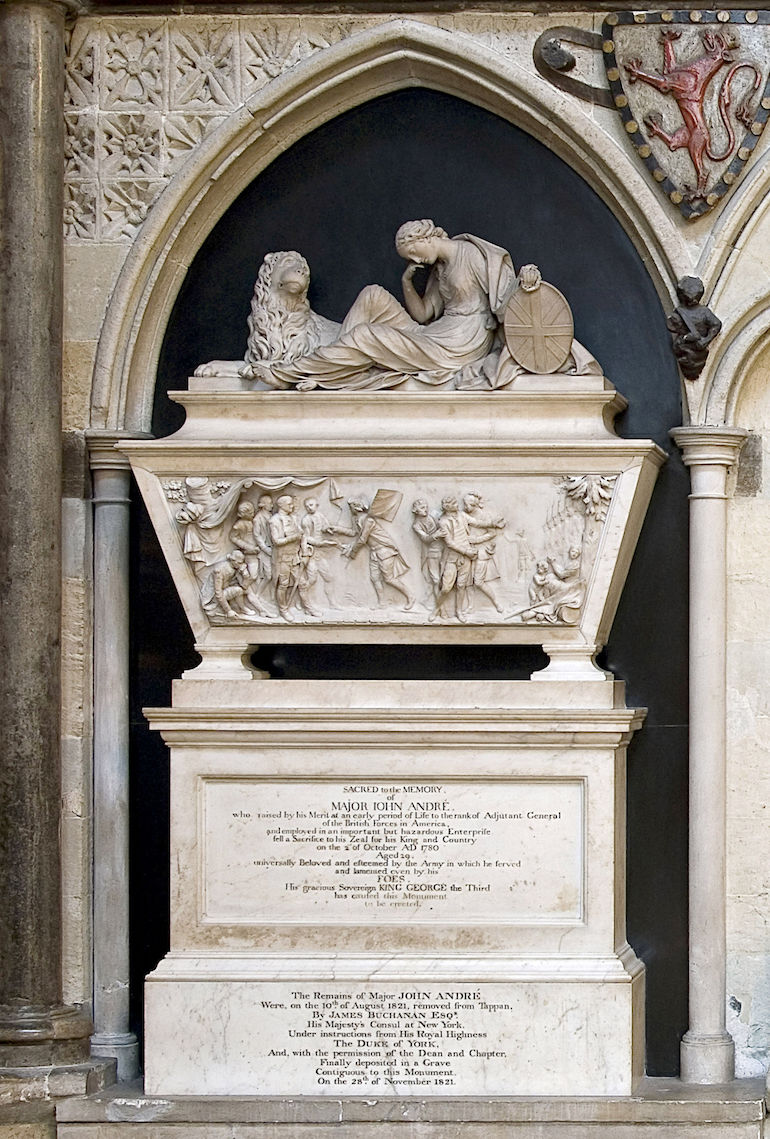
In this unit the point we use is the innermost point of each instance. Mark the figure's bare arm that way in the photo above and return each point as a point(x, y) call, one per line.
point(422, 309)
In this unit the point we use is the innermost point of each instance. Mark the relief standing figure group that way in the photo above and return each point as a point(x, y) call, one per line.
point(283, 558)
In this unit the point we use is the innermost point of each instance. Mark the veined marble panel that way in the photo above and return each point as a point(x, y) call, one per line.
point(403, 875)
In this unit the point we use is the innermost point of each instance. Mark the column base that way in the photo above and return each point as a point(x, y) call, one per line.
point(40, 1035)
point(707, 1058)
point(225, 662)
point(122, 1047)
point(571, 662)
point(56, 1082)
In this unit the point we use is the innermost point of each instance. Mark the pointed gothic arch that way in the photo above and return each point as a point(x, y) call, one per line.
point(398, 54)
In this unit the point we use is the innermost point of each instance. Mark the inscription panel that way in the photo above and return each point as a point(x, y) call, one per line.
point(336, 851)
point(378, 1038)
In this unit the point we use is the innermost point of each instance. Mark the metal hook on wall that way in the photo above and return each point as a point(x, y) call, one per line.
point(552, 60)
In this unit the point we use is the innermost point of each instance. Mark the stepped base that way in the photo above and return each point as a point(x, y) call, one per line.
point(661, 1109)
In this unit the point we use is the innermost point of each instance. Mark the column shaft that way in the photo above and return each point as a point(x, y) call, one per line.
point(34, 1029)
point(111, 476)
point(707, 1053)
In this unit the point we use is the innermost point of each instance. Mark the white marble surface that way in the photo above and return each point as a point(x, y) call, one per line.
point(374, 1037)
point(334, 852)
point(288, 795)
point(562, 499)
point(487, 57)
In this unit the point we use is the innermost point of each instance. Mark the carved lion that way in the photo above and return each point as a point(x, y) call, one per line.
point(282, 325)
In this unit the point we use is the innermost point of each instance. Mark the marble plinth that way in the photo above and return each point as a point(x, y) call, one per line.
point(393, 889)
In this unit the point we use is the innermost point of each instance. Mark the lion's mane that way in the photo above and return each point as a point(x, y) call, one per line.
point(274, 332)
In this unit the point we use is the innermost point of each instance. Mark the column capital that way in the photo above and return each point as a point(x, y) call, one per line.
point(102, 444)
point(702, 445)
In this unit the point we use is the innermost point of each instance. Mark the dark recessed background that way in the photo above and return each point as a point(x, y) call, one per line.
point(338, 196)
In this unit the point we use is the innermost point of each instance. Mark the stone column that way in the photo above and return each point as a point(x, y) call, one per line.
point(35, 1028)
point(707, 1052)
point(111, 482)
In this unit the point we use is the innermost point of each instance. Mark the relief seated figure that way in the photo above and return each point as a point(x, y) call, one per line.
point(450, 335)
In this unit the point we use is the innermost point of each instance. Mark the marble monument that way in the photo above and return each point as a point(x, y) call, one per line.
point(391, 888)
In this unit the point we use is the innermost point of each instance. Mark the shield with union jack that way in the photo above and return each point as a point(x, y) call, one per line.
point(538, 329)
point(693, 91)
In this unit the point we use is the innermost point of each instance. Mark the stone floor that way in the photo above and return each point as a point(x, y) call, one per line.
point(662, 1109)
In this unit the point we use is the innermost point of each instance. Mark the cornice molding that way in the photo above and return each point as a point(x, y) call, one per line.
point(102, 444)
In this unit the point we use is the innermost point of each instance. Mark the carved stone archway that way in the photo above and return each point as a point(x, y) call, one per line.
point(397, 54)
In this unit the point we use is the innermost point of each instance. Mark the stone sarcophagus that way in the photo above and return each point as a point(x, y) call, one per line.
point(405, 517)
point(400, 887)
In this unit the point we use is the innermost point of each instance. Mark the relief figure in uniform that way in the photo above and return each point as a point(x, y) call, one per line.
point(316, 527)
point(425, 526)
point(290, 557)
point(483, 527)
point(457, 561)
point(243, 538)
point(387, 564)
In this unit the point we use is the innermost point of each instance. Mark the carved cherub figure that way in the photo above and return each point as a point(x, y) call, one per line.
point(692, 326)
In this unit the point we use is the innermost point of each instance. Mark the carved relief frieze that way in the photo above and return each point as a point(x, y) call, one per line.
point(558, 584)
point(332, 550)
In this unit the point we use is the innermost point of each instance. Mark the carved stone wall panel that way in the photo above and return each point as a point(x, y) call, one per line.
point(160, 85)
point(125, 205)
point(182, 134)
point(81, 84)
point(268, 48)
point(80, 210)
point(130, 146)
point(204, 72)
point(80, 146)
point(134, 65)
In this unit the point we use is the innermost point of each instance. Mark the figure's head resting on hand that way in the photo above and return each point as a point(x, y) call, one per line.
point(420, 240)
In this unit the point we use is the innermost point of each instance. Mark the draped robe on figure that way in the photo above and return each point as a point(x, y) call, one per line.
point(380, 344)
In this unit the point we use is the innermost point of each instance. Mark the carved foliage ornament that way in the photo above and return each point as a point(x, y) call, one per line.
point(692, 89)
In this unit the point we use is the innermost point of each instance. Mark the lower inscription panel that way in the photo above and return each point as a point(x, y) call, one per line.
point(328, 1038)
point(339, 852)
